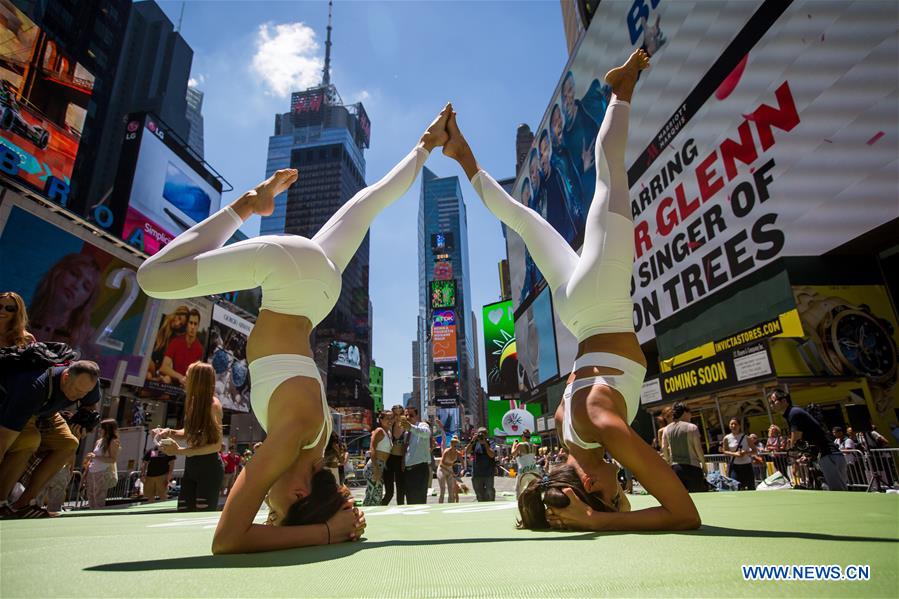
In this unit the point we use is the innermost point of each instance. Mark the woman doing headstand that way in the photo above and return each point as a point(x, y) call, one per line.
point(300, 280)
point(592, 295)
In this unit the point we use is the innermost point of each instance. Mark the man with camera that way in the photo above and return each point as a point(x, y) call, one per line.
point(484, 468)
point(32, 403)
point(807, 434)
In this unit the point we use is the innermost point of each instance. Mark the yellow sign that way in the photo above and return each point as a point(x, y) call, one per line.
point(785, 325)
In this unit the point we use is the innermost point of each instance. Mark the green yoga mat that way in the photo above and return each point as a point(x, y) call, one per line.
point(464, 550)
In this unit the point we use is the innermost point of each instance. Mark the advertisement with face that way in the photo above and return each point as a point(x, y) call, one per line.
point(75, 292)
point(43, 103)
point(181, 334)
point(500, 350)
point(511, 418)
point(739, 151)
point(168, 195)
point(227, 352)
point(536, 343)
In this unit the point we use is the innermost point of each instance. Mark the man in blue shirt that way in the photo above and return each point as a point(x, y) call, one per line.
point(484, 468)
point(417, 473)
point(804, 427)
point(30, 403)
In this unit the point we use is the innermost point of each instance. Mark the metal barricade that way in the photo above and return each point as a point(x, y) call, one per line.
point(856, 473)
point(881, 468)
point(716, 462)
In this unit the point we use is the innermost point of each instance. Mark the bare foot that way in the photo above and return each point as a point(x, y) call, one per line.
point(622, 79)
point(262, 197)
point(436, 134)
point(456, 147)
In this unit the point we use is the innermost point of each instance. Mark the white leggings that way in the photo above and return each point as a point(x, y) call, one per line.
point(298, 276)
point(591, 291)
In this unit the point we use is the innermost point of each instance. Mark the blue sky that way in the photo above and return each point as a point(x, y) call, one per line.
point(497, 61)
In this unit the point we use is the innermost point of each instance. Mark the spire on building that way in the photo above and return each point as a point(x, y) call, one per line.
point(326, 72)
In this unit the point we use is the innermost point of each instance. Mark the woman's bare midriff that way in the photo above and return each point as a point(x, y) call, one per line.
point(276, 333)
point(621, 344)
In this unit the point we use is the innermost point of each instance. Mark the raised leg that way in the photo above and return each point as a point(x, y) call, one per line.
point(341, 236)
point(551, 253)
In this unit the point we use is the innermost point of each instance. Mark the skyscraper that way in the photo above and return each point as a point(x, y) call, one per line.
point(445, 325)
point(324, 140)
point(152, 76)
point(195, 120)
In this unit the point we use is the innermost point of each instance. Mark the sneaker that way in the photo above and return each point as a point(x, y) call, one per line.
point(6, 512)
point(31, 512)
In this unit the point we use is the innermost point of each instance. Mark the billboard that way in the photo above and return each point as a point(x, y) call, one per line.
point(306, 105)
point(739, 152)
point(443, 294)
point(354, 418)
point(442, 243)
point(448, 425)
point(443, 343)
point(443, 271)
point(446, 387)
point(443, 318)
point(536, 342)
point(166, 194)
point(227, 352)
point(75, 292)
point(44, 97)
point(500, 350)
point(180, 333)
point(344, 355)
point(507, 418)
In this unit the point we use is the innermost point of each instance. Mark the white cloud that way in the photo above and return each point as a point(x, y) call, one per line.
point(286, 57)
point(196, 81)
point(360, 96)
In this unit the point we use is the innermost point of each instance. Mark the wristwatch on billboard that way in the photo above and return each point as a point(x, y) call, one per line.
point(847, 339)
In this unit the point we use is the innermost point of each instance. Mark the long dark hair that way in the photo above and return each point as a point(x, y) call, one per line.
point(548, 491)
point(199, 425)
point(109, 429)
point(325, 498)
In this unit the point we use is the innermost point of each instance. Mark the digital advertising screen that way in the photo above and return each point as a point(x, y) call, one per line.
point(167, 195)
point(443, 343)
point(74, 291)
point(500, 350)
point(448, 425)
point(739, 150)
point(446, 387)
point(306, 106)
point(443, 271)
point(443, 294)
point(536, 343)
point(227, 352)
point(354, 418)
point(510, 418)
point(443, 318)
point(345, 355)
point(442, 243)
point(44, 96)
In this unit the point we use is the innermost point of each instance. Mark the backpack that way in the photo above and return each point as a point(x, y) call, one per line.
point(37, 356)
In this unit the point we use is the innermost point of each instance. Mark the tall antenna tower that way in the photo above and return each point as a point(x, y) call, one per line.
point(326, 72)
point(180, 18)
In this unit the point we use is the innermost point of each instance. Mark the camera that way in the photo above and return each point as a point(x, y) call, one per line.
point(83, 417)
